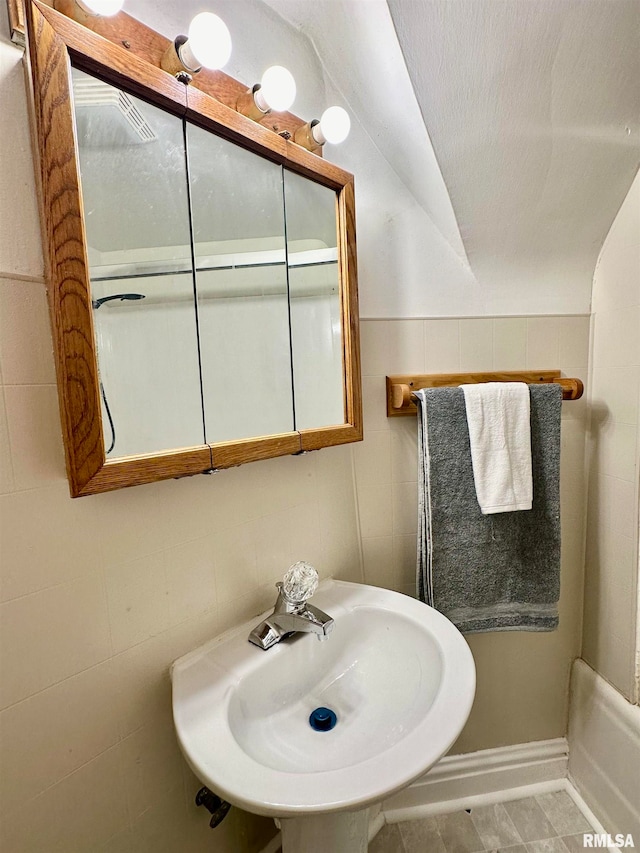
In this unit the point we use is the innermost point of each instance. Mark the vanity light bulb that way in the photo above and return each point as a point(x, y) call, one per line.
point(335, 125)
point(104, 8)
point(277, 89)
point(208, 43)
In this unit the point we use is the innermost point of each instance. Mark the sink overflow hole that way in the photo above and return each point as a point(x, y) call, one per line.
point(322, 719)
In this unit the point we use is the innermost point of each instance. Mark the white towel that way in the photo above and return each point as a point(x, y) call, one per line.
point(498, 414)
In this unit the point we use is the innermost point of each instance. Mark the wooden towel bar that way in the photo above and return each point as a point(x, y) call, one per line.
point(400, 388)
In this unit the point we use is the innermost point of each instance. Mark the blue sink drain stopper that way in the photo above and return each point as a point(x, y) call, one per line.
point(323, 719)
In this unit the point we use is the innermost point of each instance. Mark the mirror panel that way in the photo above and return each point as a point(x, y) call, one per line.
point(314, 288)
point(136, 213)
point(242, 292)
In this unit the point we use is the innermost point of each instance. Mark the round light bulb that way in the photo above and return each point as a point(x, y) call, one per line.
point(209, 42)
point(104, 8)
point(335, 125)
point(277, 88)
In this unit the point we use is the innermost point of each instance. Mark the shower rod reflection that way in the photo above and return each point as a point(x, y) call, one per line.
point(96, 303)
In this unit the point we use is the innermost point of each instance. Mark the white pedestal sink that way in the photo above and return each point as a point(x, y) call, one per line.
point(398, 675)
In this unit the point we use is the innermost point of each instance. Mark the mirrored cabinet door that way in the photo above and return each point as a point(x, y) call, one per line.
point(314, 290)
point(136, 213)
point(242, 290)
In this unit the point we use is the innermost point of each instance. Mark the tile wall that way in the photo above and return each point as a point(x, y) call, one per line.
point(522, 677)
point(99, 595)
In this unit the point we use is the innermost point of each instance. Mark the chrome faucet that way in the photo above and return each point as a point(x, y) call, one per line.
point(291, 613)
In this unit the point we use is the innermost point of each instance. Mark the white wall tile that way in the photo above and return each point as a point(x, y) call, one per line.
point(543, 343)
point(375, 505)
point(151, 764)
point(624, 515)
point(391, 346)
point(405, 508)
point(34, 434)
point(572, 451)
point(615, 450)
point(374, 347)
point(404, 560)
point(26, 359)
point(165, 826)
point(573, 344)
point(281, 483)
point(46, 539)
point(338, 518)
point(373, 458)
point(51, 635)
point(377, 553)
point(404, 450)
point(6, 465)
point(140, 521)
point(138, 599)
point(442, 346)
point(476, 345)
point(617, 389)
point(20, 243)
point(55, 732)
point(247, 608)
point(143, 688)
point(616, 342)
point(191, 579)
point(235, 561)
point(283, 538)
point(305, 539)
point(510, 343)
point(79, 813)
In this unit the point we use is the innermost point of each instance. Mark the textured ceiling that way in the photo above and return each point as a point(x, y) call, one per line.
point(533, 109)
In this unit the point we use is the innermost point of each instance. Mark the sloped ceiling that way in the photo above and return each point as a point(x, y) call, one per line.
point(532, 108)
point(513, 124)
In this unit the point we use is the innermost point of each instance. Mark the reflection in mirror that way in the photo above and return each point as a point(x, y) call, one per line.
point(241, 279)
point(314, 288)
point(136, 213)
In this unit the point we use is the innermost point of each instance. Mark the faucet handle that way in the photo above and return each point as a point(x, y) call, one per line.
point(299, 582)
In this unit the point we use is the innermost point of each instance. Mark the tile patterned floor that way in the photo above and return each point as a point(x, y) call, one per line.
point(547, 823)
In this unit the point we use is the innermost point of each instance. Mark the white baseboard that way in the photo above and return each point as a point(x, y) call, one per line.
point(480, 778)
point(604, 731)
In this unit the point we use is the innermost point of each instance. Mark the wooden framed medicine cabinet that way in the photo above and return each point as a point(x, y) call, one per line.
point(201, 267)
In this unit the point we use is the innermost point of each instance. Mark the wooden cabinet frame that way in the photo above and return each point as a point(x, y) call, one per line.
point(54, 41)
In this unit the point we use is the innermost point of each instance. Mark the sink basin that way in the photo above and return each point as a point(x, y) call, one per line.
point(398, 675)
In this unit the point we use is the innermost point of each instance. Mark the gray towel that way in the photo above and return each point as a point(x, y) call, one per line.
point(487, 572)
